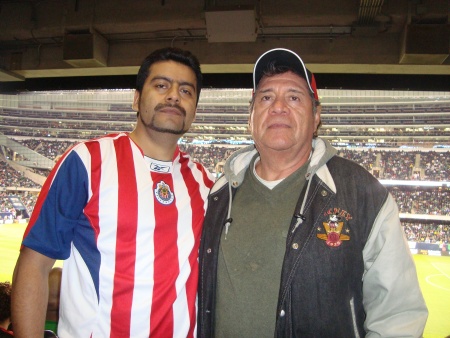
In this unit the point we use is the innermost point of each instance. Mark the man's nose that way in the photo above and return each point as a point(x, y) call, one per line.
point(173, 94)
point(279, 105)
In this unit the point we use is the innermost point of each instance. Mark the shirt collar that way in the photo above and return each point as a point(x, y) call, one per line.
point(158, 166)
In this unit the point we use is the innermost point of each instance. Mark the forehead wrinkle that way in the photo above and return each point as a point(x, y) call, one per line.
point(290, 79)
point(289, 90)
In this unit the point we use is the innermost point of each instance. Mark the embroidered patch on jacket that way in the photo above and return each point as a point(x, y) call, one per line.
point(335, 231)
point(163, 193)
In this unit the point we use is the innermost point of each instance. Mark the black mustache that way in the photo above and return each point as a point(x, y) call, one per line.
point(160, 106)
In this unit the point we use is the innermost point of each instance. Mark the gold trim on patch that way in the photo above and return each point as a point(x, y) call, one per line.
point(333, 228)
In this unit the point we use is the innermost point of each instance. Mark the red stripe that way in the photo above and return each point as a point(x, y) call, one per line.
point(206, 179)
point(96, 170)
point(198, 211)
point(127, 220)
point(166, 266)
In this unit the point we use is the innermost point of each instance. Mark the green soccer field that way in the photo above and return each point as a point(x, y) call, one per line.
point(433, 272)
point(10, 239)
point(434, 278)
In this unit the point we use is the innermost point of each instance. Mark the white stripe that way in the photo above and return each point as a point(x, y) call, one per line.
point(185, 243)
point(143, 293)
point(80, 291)
point(106, 242)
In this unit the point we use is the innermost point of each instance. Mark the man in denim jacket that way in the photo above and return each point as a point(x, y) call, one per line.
point(299, 242)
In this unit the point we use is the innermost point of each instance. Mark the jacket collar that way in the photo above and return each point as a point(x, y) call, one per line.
point(238, 162)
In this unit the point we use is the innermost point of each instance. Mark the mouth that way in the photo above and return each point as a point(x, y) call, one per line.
point(278, 126)
point(171, 110)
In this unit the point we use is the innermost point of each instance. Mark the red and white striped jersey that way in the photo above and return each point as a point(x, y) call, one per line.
point(128, 228)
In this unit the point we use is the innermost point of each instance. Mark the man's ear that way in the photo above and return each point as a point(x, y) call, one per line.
point(317, 116)
point(136, 99)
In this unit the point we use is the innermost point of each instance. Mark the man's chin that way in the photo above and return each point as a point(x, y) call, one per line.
point(166, 126)
point(168, 130)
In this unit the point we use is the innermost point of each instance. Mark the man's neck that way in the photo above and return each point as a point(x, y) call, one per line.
point(160, 147)
point(275, 165)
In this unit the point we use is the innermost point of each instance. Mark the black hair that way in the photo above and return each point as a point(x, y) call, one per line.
point(169, 54)
point(5, 301)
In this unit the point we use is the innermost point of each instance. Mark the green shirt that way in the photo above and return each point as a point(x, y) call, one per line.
point(251, 255)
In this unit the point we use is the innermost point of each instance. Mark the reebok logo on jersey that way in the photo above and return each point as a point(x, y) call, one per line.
point(159, 168)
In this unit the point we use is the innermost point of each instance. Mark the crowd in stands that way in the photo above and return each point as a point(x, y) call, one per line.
point(398, 165)
point(6, 208)
point(437, 165)
point(366, 158)
point(209, 156)
point(10, 177)
point(395, 164)
point(427, 232)
point(426, 201)
point(28, 200)
point(48, 148)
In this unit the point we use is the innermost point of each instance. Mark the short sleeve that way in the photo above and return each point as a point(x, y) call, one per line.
point(61, 203)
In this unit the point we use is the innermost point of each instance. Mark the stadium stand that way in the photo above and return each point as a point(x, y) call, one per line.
point(402, 138)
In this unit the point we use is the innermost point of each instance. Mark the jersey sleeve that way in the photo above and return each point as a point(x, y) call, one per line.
point(59, 208)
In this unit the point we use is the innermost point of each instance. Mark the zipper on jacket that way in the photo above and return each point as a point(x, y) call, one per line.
point(352, 309)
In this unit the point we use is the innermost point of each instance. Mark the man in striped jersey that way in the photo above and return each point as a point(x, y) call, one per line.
point(125, 212)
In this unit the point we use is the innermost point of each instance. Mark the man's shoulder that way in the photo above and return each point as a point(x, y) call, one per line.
point(107, 138)
point(348, 173)
point(219, 185)
point(339, 162)
point(119, 143)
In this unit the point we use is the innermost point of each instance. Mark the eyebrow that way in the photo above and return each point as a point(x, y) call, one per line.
point(291, 90)
point(180, 83)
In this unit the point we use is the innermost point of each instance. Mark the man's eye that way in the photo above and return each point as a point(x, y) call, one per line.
point(160, 85)
point(186, 92)
point(265, 98)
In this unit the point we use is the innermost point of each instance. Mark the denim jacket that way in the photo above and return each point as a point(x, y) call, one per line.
point(347, 271)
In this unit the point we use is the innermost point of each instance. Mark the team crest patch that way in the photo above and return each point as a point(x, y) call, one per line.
point(335, 230)
point(163, 193)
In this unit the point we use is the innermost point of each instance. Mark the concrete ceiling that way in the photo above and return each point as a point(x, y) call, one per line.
point(78, 38)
